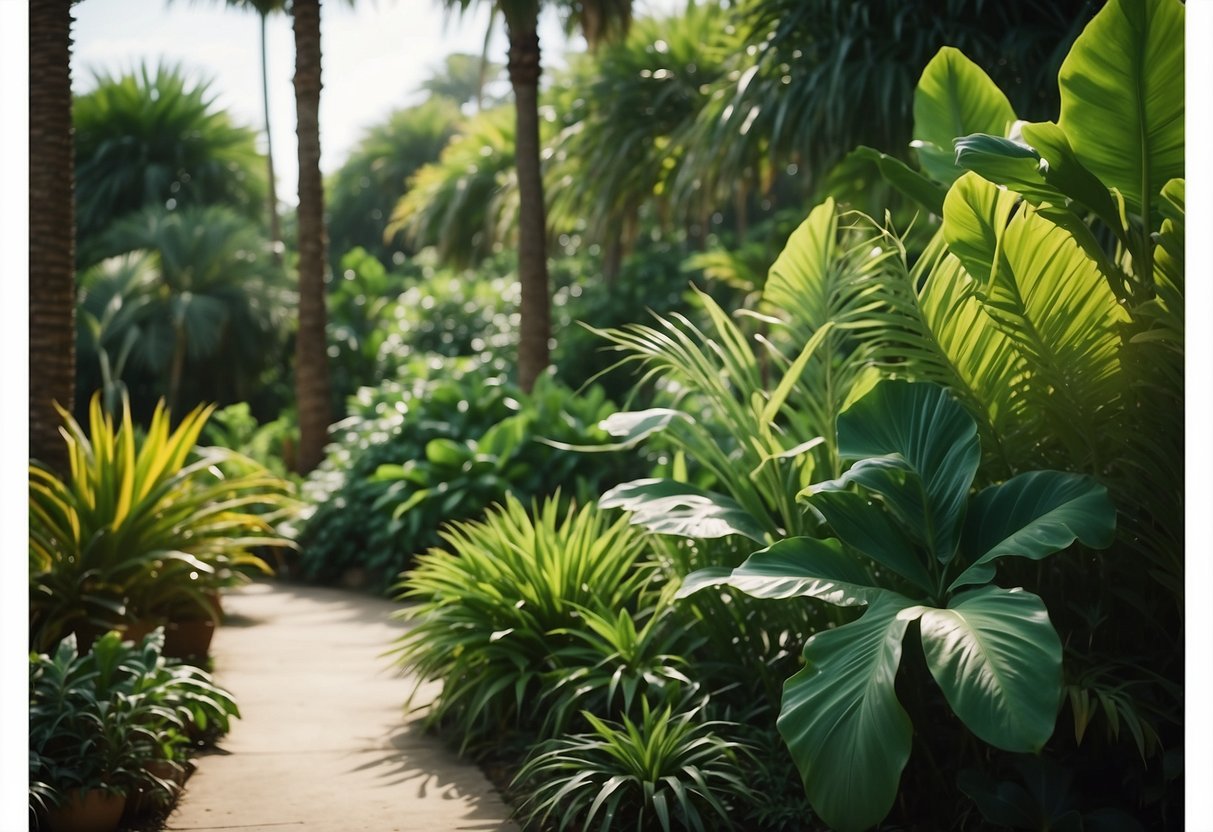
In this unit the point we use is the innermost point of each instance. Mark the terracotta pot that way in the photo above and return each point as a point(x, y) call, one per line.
point(137, 630)
point(190, 639)
point(147, 800)
point(87, 811)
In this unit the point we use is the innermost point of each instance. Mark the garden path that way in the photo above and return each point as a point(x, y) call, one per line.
point(323, 743)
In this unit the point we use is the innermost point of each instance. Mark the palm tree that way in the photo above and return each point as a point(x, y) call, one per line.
point(155, 138)
point(311, 356)
point(627, 105)
point(598, 20)
point(194, 307)
point(365, 190)
point(462, 78)
point(51, 228)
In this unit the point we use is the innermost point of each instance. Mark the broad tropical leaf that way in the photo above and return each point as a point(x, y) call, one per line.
point(918, 449)
point(974, 217)
point(954, 98)
point(796, 567)
point(847, 732)
point(669, 507)
point(1122, 97)
point(1032, 516)
point(998, 660)
point(864, 526)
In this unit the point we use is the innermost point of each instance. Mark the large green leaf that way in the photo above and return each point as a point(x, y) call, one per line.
point(997, 659)
point(796, 567)
point(954, 97)
point(1050, 298)
point(842, 722)
point(918, 449)
point(863, 525)
point(911, 183)
point(669, 507)
point(1122, 96)
point(975, 213)
point(1032, 516)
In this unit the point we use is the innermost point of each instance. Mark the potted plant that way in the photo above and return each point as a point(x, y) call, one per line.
point(142, 529)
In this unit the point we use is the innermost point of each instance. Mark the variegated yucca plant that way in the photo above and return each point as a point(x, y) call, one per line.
point(143, 527)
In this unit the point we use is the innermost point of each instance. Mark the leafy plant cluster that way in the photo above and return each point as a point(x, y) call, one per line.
point(444, 443)
point(556, 644)
point(119, 718)
point(917, 432)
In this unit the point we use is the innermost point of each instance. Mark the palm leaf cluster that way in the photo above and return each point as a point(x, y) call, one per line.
point(152, 137)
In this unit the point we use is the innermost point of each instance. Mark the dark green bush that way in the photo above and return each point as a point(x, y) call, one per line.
point(443, 447)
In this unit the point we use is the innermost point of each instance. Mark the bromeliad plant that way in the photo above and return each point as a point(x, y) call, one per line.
point(913, 546)
point(142, 527)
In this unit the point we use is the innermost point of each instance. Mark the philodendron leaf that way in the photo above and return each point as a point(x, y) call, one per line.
point(845, 729)
point(669, 507)
point(866, 527)
point(1032, 516)
point(631, 427)
point(796, 567)
point(954, 97)
point(997, 659)
point(1122, 96)
point(918, 449)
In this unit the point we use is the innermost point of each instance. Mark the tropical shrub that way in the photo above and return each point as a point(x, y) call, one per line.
point(1055, 281)
point(142, 527)
point(442, 447)
point(926, 553)
point(489, 612)
point(97, 719)
point(663, 771)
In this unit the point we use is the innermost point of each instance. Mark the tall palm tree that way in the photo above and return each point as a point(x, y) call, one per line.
point(52, 300)
point(311, 356)
point(597, 20)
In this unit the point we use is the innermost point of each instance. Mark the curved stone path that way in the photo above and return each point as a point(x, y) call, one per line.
point(323, 743)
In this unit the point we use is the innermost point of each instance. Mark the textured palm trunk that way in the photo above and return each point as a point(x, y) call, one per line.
point(275, 225)
point(52, 229)
point(311, 359)
point(535, 311)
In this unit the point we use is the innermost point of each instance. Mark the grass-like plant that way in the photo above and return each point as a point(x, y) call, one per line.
point(142, 528)
point(491, 611)
point(664, 771)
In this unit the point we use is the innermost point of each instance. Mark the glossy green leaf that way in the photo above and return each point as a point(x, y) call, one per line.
point(1034, 515)
point(842, 722)
point(997, 659)
point(669, 507)
point(793, 568)
point(975, 213)
point(1122, 96)
point(1006, 162)
point(918, 449)
point(864, 526)
point(954, 98)
point(631, 427)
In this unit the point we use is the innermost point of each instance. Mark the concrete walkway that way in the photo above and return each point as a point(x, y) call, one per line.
point(323, 743)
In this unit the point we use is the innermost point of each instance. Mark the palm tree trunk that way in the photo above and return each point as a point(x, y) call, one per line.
point(535, 310)
point(311, 359)
point(52, 229)
point(275, 225)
